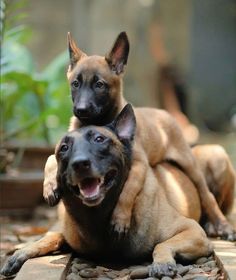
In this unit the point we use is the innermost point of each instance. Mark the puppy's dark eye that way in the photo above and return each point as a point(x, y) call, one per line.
point(99, 84)
point(99, 139)
point(75, 84)
point(64, 148)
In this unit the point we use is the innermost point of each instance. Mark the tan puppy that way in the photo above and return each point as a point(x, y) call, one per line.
point(93, 165)
point(96, 88)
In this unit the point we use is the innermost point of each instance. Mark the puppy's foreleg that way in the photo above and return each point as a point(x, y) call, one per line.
point(51, 191)
point(51, 242)
point(122, 213)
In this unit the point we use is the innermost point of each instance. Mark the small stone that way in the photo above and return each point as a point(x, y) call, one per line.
point(134, 267)
point(74, 269)
point(139, 273)
point(165, 278)
point(200, 277)
point(182, 270)
point(206, 269)
point(214, 271)
point(112, 274)
point(124, 272)
point(195, 271)
point(210, 258)
point(101, 269)
point(80, 266)
point(104, 278)
point(88, 273)
point(202, 260)
point(195, 277)
point(211, 264)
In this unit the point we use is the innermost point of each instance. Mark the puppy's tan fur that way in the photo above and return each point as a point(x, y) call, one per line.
point(158, 139)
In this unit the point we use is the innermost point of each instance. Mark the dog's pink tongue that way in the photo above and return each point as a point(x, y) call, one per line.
point(89, 187)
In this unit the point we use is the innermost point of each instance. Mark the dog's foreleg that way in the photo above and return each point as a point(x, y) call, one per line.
point(51, 191)
point(121, 217)
point(51, 242)
point(190, 243)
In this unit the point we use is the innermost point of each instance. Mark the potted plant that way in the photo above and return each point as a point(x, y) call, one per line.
point(35, 109)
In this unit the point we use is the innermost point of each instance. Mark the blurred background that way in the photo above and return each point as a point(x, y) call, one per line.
point(182, 58)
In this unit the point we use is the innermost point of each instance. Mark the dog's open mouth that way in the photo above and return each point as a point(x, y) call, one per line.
point(92, 190)
point(90, 187)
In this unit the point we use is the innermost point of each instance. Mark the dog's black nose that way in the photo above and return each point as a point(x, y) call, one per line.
point(81, 164)
point(82, 112)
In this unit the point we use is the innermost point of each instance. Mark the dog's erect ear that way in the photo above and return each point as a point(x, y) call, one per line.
point(118, 56)
point(74, 52)
point(125, 123)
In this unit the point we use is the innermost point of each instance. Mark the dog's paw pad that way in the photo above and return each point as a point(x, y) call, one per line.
point(162, 269)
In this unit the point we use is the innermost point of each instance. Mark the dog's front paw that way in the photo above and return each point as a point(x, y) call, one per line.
point(14, 263)
point(120, 222)
point(51, 194)
point(160, 270)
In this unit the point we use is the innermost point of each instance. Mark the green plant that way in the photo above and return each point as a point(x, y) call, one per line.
point(34, 105)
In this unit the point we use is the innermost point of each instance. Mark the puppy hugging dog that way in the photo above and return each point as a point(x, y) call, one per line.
point(96, 88)
point(93, 165)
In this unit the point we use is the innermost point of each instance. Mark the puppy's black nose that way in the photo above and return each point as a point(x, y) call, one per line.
point(81, 164)
point(82, 112)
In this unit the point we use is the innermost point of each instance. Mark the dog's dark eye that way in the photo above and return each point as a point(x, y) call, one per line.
point(64, 148)
point(99, 84)
point(99, 139)
point(76, 84)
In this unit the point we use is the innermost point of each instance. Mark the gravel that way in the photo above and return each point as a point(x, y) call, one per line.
point(202, 269)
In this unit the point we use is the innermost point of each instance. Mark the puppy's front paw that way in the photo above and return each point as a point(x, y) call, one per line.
point(160, 270)
point(120, 222)
point(14, 263)
point(51, 194)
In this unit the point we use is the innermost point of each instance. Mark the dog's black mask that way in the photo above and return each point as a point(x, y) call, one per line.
point(94, 161)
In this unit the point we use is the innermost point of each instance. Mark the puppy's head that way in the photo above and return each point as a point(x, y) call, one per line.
point(94, 161)
point(95, 81)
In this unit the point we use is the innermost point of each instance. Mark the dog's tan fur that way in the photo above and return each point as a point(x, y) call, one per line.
point(158, 139)
point(165, 215)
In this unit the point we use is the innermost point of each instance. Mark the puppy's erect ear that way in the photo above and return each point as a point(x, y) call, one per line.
point(74, 52)
point(118, 56)
point(125, 123)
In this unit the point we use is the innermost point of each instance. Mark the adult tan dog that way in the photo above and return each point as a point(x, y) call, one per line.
point(96, 87)
point(93, 165)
